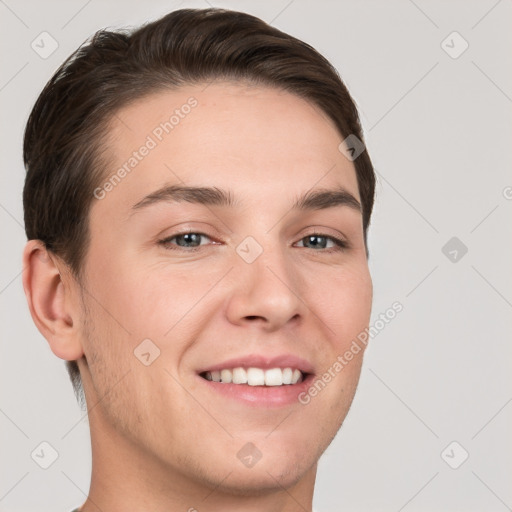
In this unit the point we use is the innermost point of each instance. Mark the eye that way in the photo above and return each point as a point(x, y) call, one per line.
point(189, 240)
point(318, 241)
point(194, 240)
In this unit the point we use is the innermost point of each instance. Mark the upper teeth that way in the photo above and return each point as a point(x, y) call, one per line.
point(256, 376)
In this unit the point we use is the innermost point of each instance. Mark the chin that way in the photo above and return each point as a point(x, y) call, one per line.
point(264, 478)
point(280, 466)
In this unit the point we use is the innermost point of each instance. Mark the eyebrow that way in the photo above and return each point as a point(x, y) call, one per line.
point(317, 199)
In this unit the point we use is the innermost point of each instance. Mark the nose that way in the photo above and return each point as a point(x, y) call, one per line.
point(266, 292)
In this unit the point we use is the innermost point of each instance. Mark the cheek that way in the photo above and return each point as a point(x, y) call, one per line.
point(168, 300)
point(344, 301)
point(143, 302)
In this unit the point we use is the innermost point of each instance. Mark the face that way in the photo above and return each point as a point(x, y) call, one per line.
point(213, 257)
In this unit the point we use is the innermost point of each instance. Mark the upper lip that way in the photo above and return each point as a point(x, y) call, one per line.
point(263, 362)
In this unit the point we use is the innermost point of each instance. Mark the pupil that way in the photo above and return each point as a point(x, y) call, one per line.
point(190, 239)
point(317, 241)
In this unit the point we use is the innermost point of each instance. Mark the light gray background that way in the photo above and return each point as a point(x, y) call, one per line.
point(439, 132)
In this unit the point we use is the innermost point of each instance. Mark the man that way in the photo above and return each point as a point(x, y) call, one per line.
point(197, 203)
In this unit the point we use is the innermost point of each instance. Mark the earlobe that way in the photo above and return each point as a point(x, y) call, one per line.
point(51, 301)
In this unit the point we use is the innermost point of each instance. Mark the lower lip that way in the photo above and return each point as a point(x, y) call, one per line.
point(261, 396)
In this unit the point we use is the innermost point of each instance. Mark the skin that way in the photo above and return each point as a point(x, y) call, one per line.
point(161, 440)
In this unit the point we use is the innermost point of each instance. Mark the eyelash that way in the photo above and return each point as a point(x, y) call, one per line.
point(340, 245)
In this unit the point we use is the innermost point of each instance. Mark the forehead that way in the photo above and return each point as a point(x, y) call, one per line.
point(259, 140)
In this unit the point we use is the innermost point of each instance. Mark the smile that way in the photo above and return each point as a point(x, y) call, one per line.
point(255, 376)
point(258, 380)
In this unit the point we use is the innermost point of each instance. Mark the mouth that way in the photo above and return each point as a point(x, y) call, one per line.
point(253, 376)
point(260, 381)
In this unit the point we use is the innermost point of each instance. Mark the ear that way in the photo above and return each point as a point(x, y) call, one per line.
point(51, 295)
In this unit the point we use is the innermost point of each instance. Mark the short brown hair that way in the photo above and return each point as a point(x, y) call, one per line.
point(63, 151)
